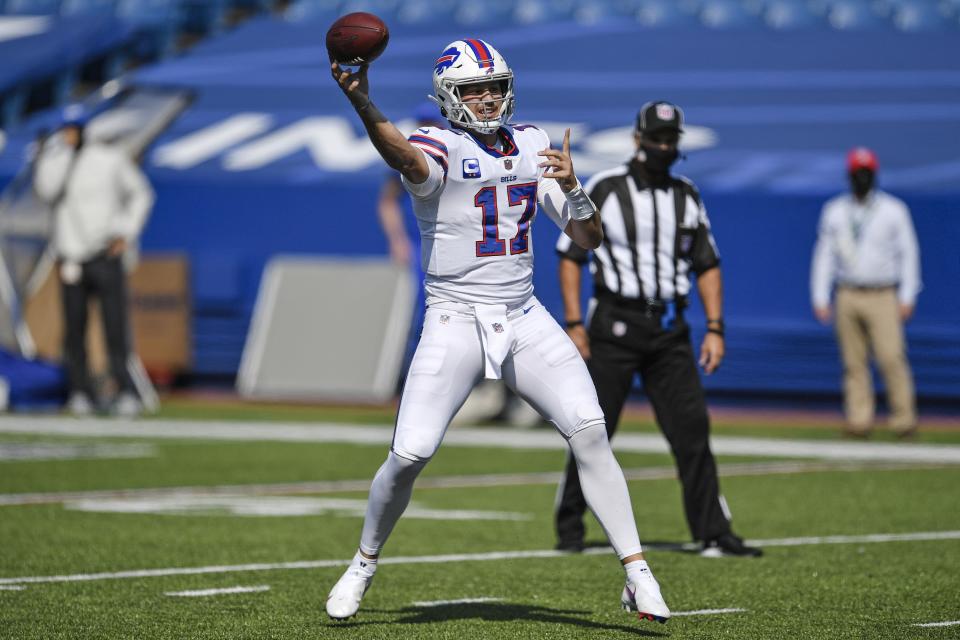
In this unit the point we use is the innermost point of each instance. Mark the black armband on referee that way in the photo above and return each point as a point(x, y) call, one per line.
point(715, 325)
point(570, 324)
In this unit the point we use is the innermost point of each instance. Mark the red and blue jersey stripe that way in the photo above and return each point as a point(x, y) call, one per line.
point(433, 148)
point(431, 144)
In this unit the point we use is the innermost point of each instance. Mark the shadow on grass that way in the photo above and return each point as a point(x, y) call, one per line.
point(658, 545)
point(504, 612)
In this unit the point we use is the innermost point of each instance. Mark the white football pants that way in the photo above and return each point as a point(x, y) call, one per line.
point(543, 366)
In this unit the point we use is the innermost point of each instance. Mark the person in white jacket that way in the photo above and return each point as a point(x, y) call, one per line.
point(101, 200)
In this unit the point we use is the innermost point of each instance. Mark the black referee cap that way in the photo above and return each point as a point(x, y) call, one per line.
point(658, 116)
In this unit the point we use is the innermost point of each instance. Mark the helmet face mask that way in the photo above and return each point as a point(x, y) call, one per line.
point(468, 62)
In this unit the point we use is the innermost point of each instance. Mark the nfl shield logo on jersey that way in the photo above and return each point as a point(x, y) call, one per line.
point(497, 327)
point(471, 168)
point(508, 164)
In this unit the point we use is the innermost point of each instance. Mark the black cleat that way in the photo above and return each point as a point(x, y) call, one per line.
point(573, 546)
point(729, 545)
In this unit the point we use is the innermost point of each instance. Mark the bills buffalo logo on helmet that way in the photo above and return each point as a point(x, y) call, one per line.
point(446, 60)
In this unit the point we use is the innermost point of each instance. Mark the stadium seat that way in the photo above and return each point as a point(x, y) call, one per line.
point(154, 21)
point(471, 13)
point(920, 16)
point(385, 9)
point(664, 13)
point(887, 7)
point(76, 7)
point(426, 12)
point(312, 10)
point(854, 15)
point(201, 17)
point(592, 11)
point(727, 14)
point(790, 14)
point(33, 7)
point(537, 11)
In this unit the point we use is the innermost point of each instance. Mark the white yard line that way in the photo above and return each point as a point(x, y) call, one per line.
point(36, 451)
point(465, 437)
point(439, 482)
point(871, 538)
point(938, 624)
point(705, 612)
point(11, 587)
point(444, 603)
point(200, 593)
point(440, 559)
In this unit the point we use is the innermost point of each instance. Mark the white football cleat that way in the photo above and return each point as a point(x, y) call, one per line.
point(344, 599)
point(644, 597)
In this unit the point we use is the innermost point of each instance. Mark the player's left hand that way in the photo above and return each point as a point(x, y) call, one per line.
point(559, 165)
point(711, 352)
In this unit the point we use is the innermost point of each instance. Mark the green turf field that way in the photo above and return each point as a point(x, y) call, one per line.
point(121, 535)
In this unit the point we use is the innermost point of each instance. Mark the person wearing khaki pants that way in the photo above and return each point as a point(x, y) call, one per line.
point(867, 247)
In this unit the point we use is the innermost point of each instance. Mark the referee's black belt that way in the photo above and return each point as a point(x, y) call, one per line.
point(650, 306)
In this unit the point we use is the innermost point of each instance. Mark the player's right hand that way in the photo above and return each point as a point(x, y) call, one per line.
point(580, 340)
point(354, 84)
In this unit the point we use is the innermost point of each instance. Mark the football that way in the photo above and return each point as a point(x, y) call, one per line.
point(357, 38)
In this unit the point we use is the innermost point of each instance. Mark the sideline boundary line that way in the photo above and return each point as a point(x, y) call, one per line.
point(468, 437)
point(460, 557)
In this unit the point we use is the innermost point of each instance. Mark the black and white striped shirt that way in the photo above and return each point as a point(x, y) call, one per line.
point(653, 236)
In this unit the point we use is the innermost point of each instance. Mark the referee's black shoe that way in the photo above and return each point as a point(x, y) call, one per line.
point(573, 545)
point(729, 545)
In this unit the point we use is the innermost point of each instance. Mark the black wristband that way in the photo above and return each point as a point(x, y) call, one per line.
point(570, 324)
point(715, 330)
point(718, 321)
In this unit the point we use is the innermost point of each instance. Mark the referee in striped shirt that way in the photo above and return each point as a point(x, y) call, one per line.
point(656, 233)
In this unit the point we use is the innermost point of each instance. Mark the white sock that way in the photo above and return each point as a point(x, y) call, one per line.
point(389, 495)
point(604, 488)
point(363, 565)
point(637, 570)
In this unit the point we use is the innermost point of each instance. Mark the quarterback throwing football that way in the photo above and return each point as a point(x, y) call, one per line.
point(475, 188)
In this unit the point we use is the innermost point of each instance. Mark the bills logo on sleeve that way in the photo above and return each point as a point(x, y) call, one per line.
point(471, 168)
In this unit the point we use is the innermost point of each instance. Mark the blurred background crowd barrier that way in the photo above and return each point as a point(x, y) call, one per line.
point(254, 153)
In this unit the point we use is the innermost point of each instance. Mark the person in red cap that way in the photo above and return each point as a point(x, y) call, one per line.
point(867, 251)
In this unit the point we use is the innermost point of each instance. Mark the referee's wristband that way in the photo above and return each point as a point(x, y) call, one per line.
point(715, 325)
point(570, 324)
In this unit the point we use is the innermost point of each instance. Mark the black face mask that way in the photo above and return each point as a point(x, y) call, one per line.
point(660, 160)
point(861, 181)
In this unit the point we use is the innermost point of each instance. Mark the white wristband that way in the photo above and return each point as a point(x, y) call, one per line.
point(581, 206)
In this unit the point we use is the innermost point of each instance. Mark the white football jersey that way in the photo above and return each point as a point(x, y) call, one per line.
point(474, 212)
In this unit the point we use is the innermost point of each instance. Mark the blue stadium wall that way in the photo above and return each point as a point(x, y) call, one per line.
point(774, 345)
point(777, 109)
